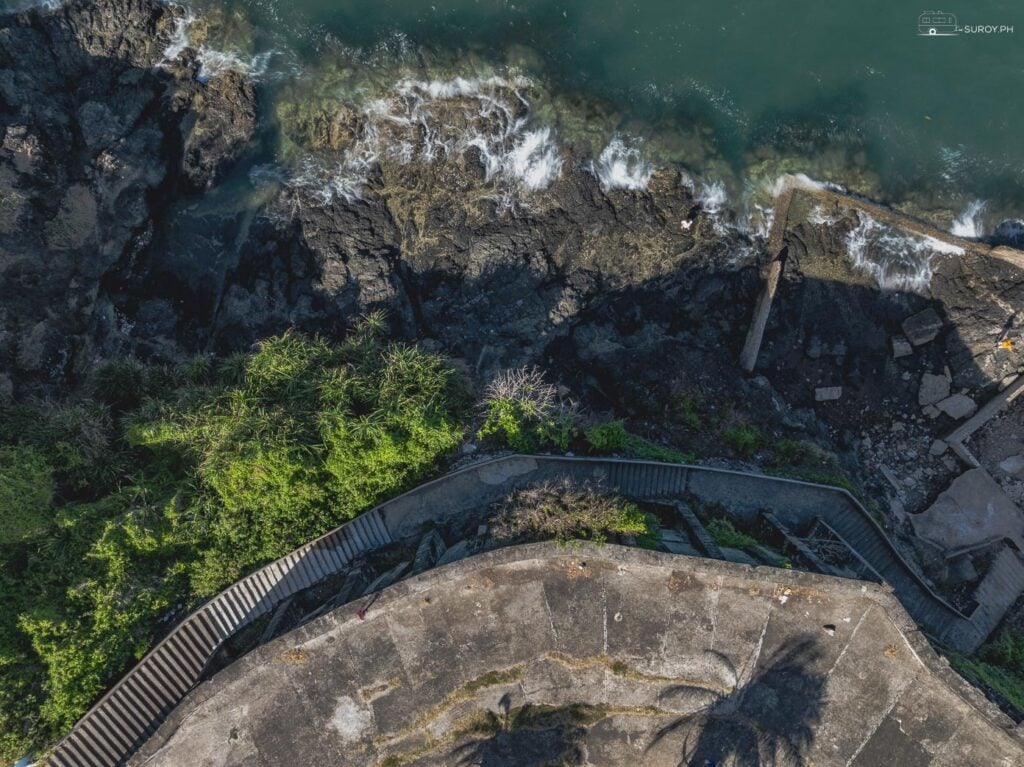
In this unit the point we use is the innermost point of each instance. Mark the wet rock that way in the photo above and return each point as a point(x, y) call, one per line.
point(957, 406)
point(933, 389)
point(218, 127)
point(922, 327)
point(938, 447)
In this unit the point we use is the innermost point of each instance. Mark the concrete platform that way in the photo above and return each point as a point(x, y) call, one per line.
point(599, 656)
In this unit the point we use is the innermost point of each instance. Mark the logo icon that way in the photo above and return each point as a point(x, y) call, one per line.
point(937, 24)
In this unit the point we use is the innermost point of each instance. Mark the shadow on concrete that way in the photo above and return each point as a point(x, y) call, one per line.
point(768, 721)
point(529, 736)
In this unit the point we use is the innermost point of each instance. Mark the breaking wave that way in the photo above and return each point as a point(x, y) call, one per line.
point(894, 259)
point(713, 199)
point(213, 62)
point(970, 223)
point(439, 120)
point(621, 166)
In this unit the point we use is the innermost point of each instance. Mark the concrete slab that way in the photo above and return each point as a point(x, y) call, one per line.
point(922, 327)
point(502, 659)
point(933, 389)
point(971, 510)
point(958, 406)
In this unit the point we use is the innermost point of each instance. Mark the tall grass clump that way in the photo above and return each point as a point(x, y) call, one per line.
point(566, 511)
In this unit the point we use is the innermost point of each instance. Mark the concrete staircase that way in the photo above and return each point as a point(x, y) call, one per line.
point(136, 705)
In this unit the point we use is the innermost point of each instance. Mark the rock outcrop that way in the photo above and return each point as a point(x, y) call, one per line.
point(96, 134)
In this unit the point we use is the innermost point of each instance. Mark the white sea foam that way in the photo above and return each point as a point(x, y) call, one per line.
point(179, 39)
point(213, 63)
point(622, 166)
point(17, 6)
point(820, 217)
point(433, 120)
point(970, 223)
point(896, 260)
point(713, 199)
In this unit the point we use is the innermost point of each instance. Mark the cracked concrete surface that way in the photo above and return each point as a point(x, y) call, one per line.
point(598, 656)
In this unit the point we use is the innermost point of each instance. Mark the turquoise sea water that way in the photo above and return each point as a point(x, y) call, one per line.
point(734, 89)
point(853, 87)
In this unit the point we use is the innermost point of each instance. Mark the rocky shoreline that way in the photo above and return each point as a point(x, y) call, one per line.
point(634, 297)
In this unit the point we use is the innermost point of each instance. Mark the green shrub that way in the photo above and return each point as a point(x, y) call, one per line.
point(791, 453)
point(311, 436)
point(610, 437)
point(1007, 651)
point(119, 384)
point(744, 439)
point(216, 469)
point(727, 536)
point(686, 408)
point(524, 412)
point(566, 511)
point(26, 493)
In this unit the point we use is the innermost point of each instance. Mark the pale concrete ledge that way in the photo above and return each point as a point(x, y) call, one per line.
point(532, 653)
point(129, 714)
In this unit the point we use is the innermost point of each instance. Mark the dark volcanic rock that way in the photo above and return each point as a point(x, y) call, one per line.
point(94, 137)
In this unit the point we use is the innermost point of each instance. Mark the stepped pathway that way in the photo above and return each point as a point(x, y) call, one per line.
point(130, 713)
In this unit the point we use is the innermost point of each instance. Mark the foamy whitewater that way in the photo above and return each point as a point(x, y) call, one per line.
point(621, 166)
point(896, 260)
point(712, 198)
point(970, 223)
point(493, 117)
point(213, 62)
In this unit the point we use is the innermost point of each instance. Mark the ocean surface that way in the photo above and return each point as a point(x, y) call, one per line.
point(736, 90)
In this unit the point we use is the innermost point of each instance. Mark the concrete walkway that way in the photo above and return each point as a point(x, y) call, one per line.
point(130, 713)
point(624, 655)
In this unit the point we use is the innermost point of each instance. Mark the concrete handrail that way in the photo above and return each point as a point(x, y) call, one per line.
point(132, 710)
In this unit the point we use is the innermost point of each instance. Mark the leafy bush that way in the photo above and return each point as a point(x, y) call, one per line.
point(213, 470)
point(26, 493)
point(565, 511)
point(792, 453)
point(744, 439)
point(1006, 651)
point(612, 437)
point(609, 437)
point(727, 536)
point(686, 408)
point(523, 411)
point(311, 436)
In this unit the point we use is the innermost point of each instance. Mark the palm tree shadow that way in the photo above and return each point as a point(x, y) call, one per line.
point(530, 736)
point(769, 721)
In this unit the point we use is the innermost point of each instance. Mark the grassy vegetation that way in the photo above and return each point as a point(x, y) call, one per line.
point(743, 439)
point(999, 666)
point(121, 511)
point(523, 411)
point(567, 511)
point(612, 437)
point(727, 536)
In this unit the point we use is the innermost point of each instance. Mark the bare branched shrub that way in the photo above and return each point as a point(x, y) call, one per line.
point(523, 410)
point(564, 510)
point(526, 386)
